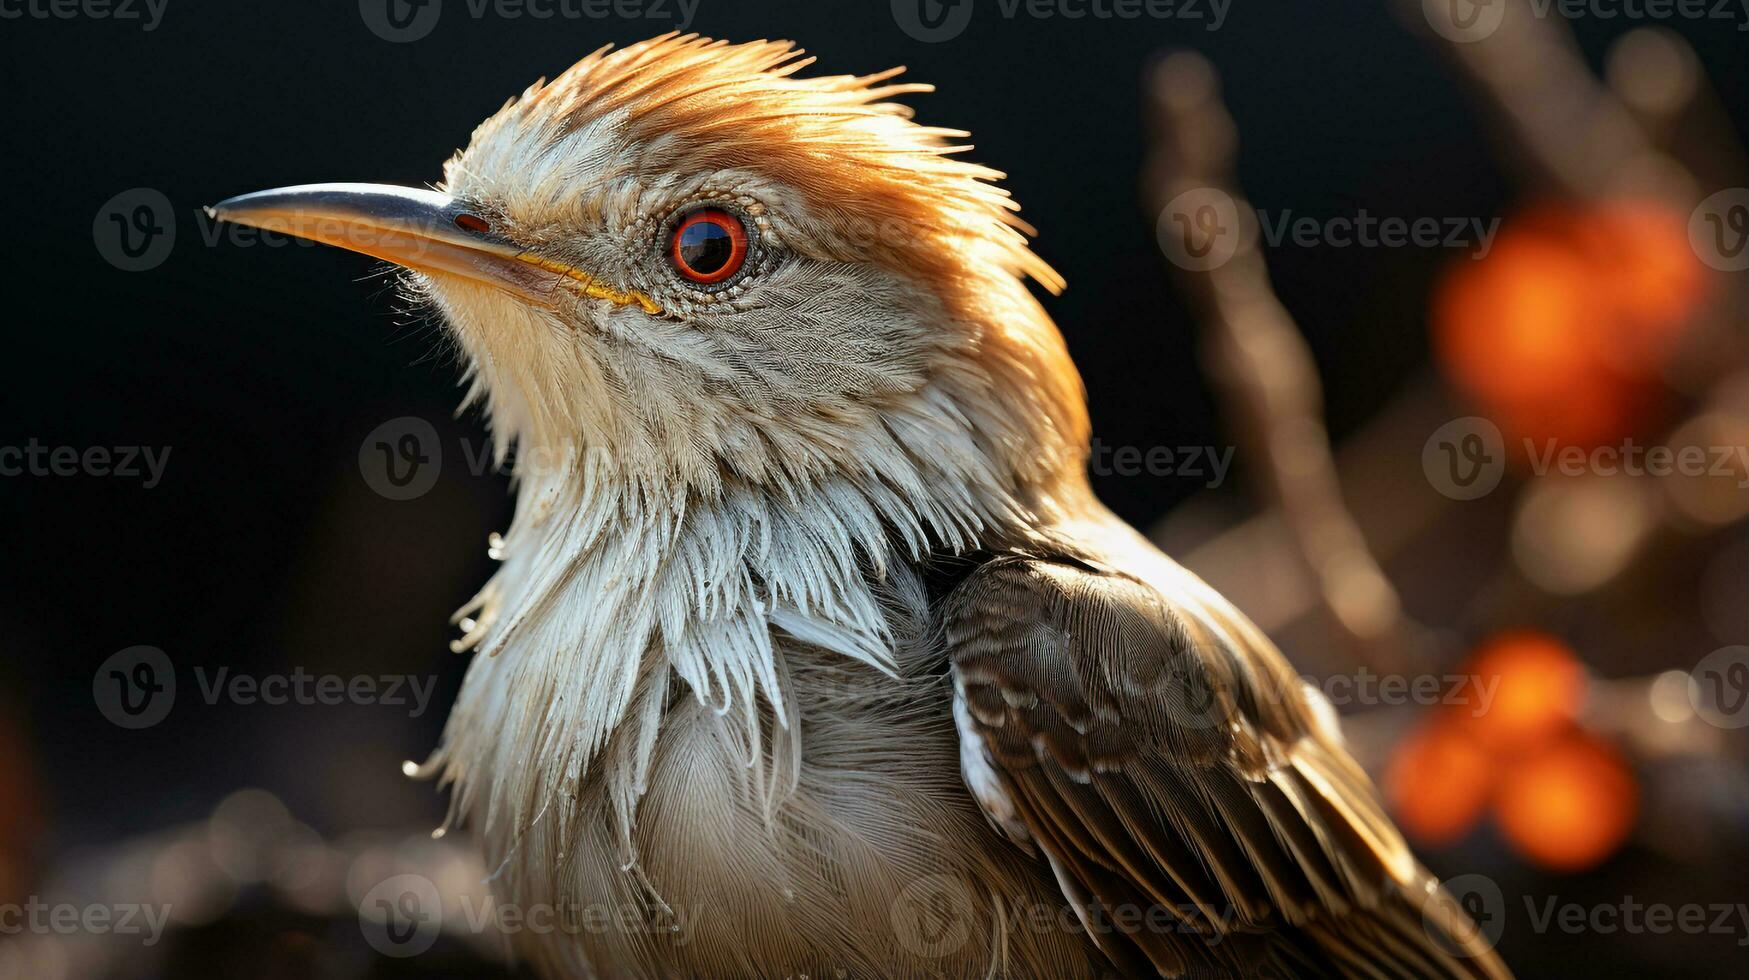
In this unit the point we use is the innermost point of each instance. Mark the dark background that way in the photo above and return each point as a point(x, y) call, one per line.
point(264, 368)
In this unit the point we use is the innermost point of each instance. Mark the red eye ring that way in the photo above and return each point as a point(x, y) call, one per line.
point(708, 246)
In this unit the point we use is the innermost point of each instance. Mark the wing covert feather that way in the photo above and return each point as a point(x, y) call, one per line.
point(1161, 753)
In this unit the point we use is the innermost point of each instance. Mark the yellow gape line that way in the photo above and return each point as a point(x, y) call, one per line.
point(592, 286)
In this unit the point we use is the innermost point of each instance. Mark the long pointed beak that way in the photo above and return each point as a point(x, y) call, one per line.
point(420, 229)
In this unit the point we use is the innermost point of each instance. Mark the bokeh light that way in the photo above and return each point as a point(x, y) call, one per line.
point(1538, 688)
point(1438, 783)
point(1563, 329)
point(1569, 805)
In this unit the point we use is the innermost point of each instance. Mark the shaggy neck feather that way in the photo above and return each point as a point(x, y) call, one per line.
point(609, 590)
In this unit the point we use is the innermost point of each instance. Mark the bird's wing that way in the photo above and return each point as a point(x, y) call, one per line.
point(1165, 758)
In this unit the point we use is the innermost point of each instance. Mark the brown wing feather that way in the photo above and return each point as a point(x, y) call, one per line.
point(1164, 756)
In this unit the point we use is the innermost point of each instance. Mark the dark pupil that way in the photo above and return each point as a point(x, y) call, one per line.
point(705, 247)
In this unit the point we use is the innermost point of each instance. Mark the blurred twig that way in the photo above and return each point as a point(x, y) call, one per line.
point(1573, 131)
point(1261, 366)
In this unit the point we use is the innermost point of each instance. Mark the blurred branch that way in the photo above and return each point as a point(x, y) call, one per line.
point(1575, 132)
point(1305, 550)
point(1261, 365)
point(1659, 79)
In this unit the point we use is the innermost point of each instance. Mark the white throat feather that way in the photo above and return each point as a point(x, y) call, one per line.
point(609, 588)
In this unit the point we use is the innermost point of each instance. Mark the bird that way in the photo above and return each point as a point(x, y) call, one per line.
point(811, 652)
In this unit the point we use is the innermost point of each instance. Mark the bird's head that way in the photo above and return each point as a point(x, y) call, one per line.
point(685, 256)
point(749, 334)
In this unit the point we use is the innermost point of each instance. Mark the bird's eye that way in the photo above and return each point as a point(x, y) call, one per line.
point(709, 246)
